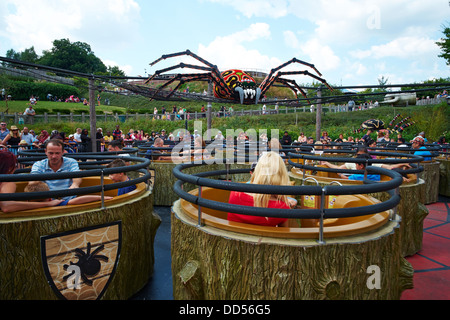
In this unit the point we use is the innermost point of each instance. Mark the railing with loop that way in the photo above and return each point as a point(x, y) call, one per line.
point(202, 179)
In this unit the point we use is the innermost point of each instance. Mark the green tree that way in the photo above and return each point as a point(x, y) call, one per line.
point(113, 72)
point(444, 43)
point(28, 55)
point(76, 56)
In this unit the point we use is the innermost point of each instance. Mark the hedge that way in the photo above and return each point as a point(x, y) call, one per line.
point(23, 90)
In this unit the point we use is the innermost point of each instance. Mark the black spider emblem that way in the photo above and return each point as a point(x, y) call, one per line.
point(89, 263)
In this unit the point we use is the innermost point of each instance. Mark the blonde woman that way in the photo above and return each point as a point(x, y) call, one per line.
point(12, 140)
point(270, 170)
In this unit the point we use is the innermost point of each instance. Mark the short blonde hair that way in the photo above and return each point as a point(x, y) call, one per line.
point(36, 186)
point(270, 170)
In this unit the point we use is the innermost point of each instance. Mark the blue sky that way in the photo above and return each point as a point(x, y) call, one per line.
point(352, 42)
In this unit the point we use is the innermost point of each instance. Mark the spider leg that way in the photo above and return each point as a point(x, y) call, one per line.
point(65, 268)
point(293, 60)
point(212, 68)
point(274, 75)
point(182, 53)
point(292, 84)
point(183, 78)
point(180, 65)
point(79, 253)
point(88, 251)
point(277, 78)
point(86, 280)
point(100, 248)
point(101, 257)
point(306, 73)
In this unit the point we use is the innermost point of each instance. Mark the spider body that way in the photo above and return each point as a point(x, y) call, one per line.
point(242, 84)
point(373, 124)
point(233, 85)
point(88, 263)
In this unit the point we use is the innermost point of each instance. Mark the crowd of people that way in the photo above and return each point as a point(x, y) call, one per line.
point(270, 168)
point(14, 139)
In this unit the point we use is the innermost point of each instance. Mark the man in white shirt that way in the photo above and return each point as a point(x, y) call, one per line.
point(29, 114)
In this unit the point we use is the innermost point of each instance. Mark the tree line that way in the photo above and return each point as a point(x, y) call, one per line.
point(75, 56)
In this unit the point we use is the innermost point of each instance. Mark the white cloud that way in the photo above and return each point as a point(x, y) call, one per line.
point(37, 23)
point(404, 48)
point(290, 39)
point(322, 56)
point(218, 51)
point(258, 8)
point(364, 20)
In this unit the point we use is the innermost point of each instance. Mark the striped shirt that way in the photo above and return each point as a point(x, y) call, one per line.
point(69, 165)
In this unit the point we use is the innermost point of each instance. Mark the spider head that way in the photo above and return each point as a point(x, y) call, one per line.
point(242, 85)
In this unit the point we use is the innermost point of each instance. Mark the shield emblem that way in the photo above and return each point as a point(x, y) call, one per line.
point(80, 264)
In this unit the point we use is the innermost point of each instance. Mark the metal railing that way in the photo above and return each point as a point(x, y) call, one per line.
point(202, 180)
point(95, 169)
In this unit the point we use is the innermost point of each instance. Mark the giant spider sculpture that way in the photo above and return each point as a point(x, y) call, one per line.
point(376, 125)
point(233, 85)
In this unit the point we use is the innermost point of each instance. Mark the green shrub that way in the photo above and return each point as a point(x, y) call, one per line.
point(41, 110)
point(23, 90)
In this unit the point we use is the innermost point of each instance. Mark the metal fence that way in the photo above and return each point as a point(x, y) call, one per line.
point(19, 119)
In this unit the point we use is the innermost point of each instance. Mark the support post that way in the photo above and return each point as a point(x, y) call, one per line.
point(209, 112)
point(92, 116)
point(319, 113)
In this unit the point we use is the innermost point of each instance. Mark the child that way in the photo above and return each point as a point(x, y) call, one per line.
point(41, 186)
point(361, 166)
point(120, 176)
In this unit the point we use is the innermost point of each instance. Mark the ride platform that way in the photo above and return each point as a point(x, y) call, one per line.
point(431, 264)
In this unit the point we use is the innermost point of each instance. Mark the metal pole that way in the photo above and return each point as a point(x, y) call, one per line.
point(319, 113)
point(92, 117)
point(322, 206)
point(199, 212)
point(102, 179)
point(209, 112)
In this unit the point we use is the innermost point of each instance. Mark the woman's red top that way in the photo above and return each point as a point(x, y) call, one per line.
point(244, 199)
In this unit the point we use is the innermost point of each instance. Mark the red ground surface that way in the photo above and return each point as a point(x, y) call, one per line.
point(432, 263)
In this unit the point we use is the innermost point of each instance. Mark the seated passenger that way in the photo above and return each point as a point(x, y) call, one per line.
point(154, 154)
point(352, 165)
point(199, 148)
point(120, 176)
point(292, 201)
point(8, 163)
point(56, 162)
point(417, 143)
point(116, 146)
point(40, 186)
point(270, 170)
point(361, 166)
